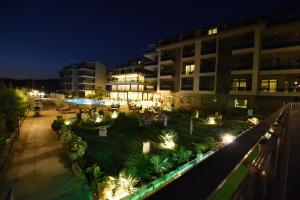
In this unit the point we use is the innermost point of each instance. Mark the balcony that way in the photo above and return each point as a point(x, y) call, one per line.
point(206, 69)
point(167, 87)
point(187, 87)
point(150, 63)
point(168, 57)
point(167, 73)
point(242, 44)
point(207, 83)
point(241, 65)
point(280, 43)
point(151, 75)
point(208, 50)
point(279, 67)
point(188, 53)
point(85, 87)
point(86, 73)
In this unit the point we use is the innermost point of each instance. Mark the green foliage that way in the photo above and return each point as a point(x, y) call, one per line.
point(126, 124)
point(94, 175)
point(66, 135)
point(57, 124)
point(13, 105)
point(161, 164)
point(181, 156)
point(77, 148)
point(140, 166)
point(201, 148)
point(2, 142)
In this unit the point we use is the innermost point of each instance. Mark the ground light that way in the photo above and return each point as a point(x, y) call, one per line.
point(211, 120)
point(253, 120)
point(168, 141)
point(67, 122)
point(114, 114)
point(227, 138)
point(98, 119)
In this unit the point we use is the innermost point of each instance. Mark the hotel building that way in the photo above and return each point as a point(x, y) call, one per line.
point(252, 63)
point(83, 78)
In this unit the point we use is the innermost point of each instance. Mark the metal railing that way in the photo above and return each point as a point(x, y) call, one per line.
point(227, 160)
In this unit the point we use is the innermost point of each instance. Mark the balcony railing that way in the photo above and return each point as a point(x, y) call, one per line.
point(242, 44)
point(279, 43)
point(166, 87)
point(242, 66)
point(152, 75)
point(86, 73)
point(205, 69)
point(168, 57)
point(149, 63)
point(285, 89)
point(279, 67)
point(247, 88)
point(167, 73)
point(187, 87)
point(188, 53)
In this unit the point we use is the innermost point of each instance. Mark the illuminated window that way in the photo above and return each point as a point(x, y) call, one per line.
point(239, 84)
point(189, 69)
point(114, 87)
point(240, 103)
point(133, 87)
point(141, 87)
point(268, 85)
point(273, 85)
point(212, 31)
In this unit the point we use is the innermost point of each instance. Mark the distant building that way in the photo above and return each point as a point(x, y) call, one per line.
point(83, 78)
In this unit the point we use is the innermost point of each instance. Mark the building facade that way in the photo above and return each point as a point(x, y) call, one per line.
point(83, 78)
point(250, 64)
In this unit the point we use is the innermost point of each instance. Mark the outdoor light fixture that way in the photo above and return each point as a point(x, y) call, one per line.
point(227, 138)
point(67, 122)
point(211, 120)
point(114, 114)
point(168, 141)
point(98, 119)
point(253, 120)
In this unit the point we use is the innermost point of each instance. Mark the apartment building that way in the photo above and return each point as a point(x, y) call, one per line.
point(252, 63)
point(130, 81)
point(83, 78)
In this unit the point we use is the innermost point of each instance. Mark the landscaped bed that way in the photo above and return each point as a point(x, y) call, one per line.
point(116, 166)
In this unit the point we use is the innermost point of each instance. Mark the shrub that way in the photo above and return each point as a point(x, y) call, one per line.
point(161, 164)
point(140, 166)
point(94, 175)
point(57, 124)
point(77, 148)
point(181, 156)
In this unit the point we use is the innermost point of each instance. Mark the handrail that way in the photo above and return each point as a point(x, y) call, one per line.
point(199, 183)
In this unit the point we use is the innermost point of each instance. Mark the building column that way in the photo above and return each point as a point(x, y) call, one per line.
point(256, 59)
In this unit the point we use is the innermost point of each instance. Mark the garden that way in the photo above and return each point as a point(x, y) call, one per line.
point(120, 154)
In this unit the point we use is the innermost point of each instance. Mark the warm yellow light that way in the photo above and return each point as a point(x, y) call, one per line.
point(114, 114)
point(168, 141)
point(98, 119)
point(253, 120)
point(227, 138)
point(67, 122)
point(211, 120)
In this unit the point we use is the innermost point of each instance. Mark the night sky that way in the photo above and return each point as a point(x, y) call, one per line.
point(37, 38)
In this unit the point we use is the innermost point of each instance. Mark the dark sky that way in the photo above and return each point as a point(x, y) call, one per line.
point(37, 38)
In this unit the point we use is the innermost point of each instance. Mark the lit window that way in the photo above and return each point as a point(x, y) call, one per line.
point(133, 87)
point(187, 99)
point(239, 84)
point(189, 69)
point(212, 31)
point(269, 85)
point(273, 85)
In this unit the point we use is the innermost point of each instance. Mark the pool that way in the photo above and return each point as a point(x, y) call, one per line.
point(95, 102)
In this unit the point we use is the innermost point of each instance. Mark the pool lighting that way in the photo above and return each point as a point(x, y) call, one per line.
point(168, 141)
point(227, 138)
point(211, 120)
point(114, 114)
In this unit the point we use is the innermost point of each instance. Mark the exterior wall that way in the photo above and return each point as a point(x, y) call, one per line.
point(100, 74)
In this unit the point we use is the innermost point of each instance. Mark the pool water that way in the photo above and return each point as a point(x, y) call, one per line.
point(95, 102)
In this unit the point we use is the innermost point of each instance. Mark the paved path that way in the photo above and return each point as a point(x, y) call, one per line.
point(36, 169)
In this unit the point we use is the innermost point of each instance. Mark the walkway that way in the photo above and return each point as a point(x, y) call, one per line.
point(36, 169)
